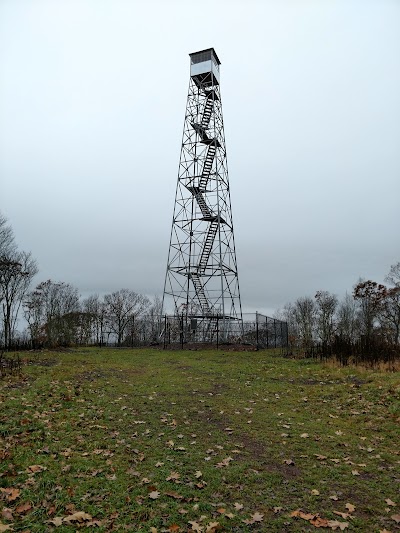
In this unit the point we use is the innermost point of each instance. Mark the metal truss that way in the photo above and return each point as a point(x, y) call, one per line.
point(201, 279)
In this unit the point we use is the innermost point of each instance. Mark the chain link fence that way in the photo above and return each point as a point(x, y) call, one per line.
point(255, 330)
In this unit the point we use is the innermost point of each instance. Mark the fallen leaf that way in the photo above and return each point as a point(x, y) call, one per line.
point(315, 492)
point(355, 472)
point(79, 516)
point(390, 502)
point(174, 495)
point(7, 514)
point(350, 507)
point(396, 518)
point(238, 506)
point(196, 526)
point(343, 515)
point(154, 494)
point(3, 527)
point(299, 514)
point(173, 476)
point(211, 527)
point(34, 469)
point(256, 517)
point(23, 508)
point(57, 521)
point(11, 494)
point(304, 435)
point(335, 524)
point(174, 528)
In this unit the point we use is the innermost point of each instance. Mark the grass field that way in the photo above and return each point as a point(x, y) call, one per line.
point(152, 440)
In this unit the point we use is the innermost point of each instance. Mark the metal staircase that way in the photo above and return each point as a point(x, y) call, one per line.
point(207, 166)
point(199, 194)
point(205, 210)
point(201, 295)
point(207, 246)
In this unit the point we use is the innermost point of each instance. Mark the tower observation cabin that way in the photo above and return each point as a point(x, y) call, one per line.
point(204, 67)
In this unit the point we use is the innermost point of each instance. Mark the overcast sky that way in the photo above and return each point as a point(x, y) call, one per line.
point(92, 102)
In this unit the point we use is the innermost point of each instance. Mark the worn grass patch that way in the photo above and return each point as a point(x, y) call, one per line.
point(197, 441)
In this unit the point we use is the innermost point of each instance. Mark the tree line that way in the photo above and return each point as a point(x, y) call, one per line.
point(57, 316)
point(369, 316)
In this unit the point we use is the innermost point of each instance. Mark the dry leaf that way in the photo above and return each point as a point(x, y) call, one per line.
point(174, 495)
point(350, 507)
point(11, 494)
point(154, 494)
point(34, 469)
point(7, 514)
point(256, 517)
point(299, 514)
point(238, 506)
point(355, 472)
point(3, 527)
point(304, 435)
point(23, 508)
point(57, 521)
point(396, 518)
point(173, 528)
point(390, 502)
point(173, 476)
point(196, 526)
point(315, 492)
point(335, 524)
point(79, 516)
point(212, 526)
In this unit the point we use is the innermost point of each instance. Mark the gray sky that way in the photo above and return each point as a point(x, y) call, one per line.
point(92, 102)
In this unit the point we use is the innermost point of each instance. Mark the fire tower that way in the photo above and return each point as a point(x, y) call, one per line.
point(201, 282)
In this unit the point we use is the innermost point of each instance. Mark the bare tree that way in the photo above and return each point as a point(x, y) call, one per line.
point(391, 305)
point(304, 314)
point(7, 244)
point(370, 296)
point(16, 273)
point(152, 319)
point(52, 310)
point(95, 312)
point(347, 320)
point(123, 308)
point(287, 314)
point(326, 305)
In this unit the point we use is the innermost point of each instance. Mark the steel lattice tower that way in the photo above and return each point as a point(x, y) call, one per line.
point(202, 276)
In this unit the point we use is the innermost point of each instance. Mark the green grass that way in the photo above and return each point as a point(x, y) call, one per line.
point(238, 434)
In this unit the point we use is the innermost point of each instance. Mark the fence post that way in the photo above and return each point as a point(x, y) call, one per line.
point(165, 331)
point(256, 330)
point(274, 333)
point(266, 327)
point(182, 331)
